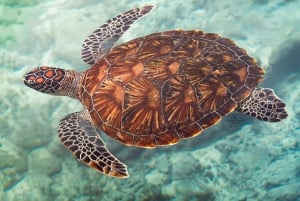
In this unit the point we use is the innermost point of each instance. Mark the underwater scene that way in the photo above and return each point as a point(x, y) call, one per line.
point(239, 158)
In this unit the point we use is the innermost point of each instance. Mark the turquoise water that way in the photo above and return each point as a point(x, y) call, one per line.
point(238, 159)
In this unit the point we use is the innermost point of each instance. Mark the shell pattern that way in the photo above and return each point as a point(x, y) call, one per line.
point(158, 89)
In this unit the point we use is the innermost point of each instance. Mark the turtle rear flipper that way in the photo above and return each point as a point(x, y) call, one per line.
point(82, 139)
point(263, 104)
point(103, 38)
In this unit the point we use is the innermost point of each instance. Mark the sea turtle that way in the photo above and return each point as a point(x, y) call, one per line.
point(154, 90)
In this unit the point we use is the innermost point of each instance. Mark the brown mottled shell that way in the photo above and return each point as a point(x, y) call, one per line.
point(158, 89)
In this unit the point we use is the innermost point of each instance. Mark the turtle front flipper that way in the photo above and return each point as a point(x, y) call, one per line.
point(82, 139)
point(103, 38)
point(264, 105)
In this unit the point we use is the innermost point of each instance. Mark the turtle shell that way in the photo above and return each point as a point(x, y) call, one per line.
point(161, 88)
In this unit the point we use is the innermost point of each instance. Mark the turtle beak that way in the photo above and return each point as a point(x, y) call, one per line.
point(29, 83)
point(28, 80)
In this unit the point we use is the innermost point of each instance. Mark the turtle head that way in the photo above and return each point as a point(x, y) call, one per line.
point(51, 80)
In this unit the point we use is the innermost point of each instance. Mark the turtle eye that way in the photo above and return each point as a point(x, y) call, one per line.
point(33, 78)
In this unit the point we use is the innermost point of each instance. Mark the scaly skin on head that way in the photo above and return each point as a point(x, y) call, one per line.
point(55, 81)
